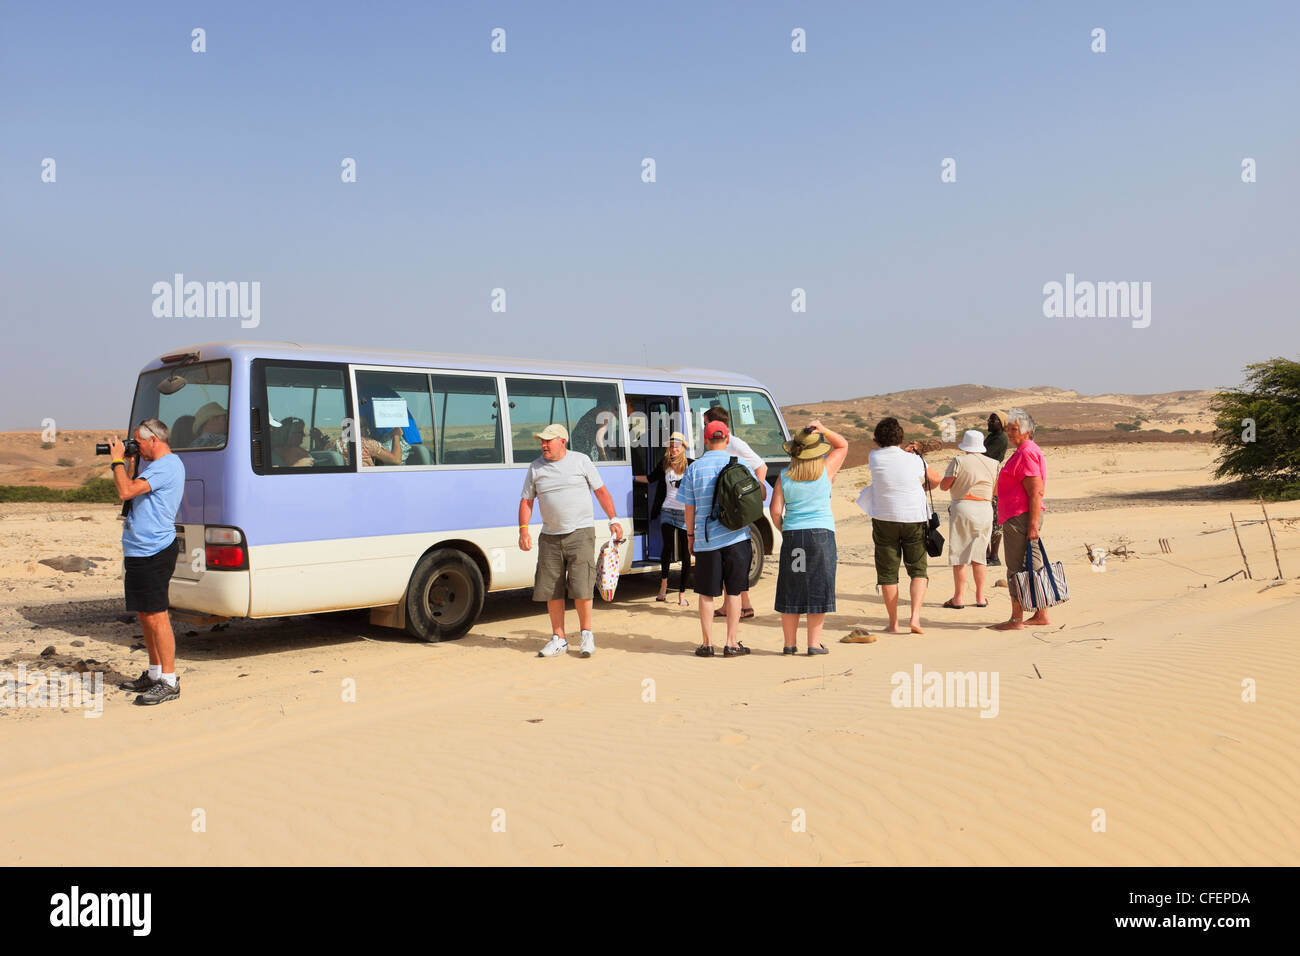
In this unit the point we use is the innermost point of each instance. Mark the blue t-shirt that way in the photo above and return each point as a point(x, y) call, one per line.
point(807, 503)
point(697, 489)
point(151, 525)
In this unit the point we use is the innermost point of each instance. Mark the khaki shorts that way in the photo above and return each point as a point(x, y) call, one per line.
point(565, 558)
point(898, 542)
point(1015, 542)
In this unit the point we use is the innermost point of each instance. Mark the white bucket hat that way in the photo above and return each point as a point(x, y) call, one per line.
point(972, 441)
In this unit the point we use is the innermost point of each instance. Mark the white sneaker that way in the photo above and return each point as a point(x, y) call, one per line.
point(554, 647)
point(588, 645)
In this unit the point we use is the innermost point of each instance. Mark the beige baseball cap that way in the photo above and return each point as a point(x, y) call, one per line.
point(552, 431)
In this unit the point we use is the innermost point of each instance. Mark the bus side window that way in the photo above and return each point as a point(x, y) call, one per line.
point(534, 404)
point(305, 411)
point(467, 420)
point(395, 417)
point(595, 420)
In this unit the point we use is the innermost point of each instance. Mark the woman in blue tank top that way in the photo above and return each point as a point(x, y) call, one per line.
point(801, 511)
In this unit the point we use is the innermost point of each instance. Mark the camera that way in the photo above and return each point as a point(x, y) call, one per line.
point(132, 448)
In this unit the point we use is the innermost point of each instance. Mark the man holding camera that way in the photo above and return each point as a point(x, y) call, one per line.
point(149, 546)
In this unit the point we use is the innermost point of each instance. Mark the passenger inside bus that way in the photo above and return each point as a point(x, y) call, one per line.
point(182, 432)
point(286, 445)
point(408, 435)
point(373, 452)
point(210, 426)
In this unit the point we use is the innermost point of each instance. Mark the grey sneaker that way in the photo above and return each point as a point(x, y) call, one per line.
point(588, 644)
point(554, 647)
point(159, 692)
point(140, 684)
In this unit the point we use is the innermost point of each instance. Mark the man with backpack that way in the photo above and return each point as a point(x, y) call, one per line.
point(740, 448)
point(723, 497)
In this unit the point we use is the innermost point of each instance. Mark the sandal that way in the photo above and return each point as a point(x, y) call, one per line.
point(789, 650)
point(738, 651)
point(985, 604)
point(956, 607)
point(745, 613)
point(704, 650)
point(661, 597)
point(818, 650)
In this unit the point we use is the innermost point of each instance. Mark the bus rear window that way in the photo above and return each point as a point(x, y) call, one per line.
point(193, 401)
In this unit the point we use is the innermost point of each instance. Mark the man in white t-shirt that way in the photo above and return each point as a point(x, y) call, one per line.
point(563, 482)
point(740, 448)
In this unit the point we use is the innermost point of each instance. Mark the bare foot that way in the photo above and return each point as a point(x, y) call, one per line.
point(916, 628)
point(1008, 626)
point(895, 630)
point(1038, 619)
point(682, 602)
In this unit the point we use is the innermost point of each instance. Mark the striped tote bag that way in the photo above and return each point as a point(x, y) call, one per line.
point(1042, 588)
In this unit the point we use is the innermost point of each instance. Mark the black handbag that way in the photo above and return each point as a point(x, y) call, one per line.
point(933, 539)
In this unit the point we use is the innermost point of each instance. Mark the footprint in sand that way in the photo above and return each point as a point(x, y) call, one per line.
point(749, 784)
point(672, 720)
point(732, 739)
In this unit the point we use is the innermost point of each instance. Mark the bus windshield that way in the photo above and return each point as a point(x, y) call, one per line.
point(193, 401)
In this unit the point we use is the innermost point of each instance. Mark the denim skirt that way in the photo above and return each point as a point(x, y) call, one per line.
point(805, 580)
point(673, 517)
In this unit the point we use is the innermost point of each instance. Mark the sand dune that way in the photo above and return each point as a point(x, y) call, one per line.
point(1131, 703)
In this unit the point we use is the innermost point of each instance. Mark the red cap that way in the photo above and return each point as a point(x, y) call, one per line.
point(715, 430)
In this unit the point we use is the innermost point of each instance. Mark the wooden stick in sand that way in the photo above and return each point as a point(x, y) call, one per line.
point(1271, 539)
point(1239, 547)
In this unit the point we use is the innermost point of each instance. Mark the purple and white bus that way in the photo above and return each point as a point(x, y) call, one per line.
point(327, 479)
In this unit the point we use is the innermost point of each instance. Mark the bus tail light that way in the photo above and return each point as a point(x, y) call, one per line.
point(224, 549)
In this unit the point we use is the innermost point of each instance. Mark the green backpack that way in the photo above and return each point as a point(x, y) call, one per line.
point(737, 498)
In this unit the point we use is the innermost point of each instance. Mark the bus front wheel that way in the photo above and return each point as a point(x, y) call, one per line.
point(756, 561)
point(445, 596)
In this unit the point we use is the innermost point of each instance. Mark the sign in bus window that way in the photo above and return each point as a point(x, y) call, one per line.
point(755, 420)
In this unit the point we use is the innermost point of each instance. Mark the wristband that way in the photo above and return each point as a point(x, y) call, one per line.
point(115, 463)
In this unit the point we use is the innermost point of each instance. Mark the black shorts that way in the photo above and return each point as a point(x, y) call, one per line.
point(148, 578)
point(726, 567)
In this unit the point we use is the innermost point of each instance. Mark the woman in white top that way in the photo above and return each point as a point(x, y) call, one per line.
point(671, 513)
point(969, 479)
point(895, 499)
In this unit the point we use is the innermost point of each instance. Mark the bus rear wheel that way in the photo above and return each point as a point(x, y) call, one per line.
point(445, 596)
point(756, 559)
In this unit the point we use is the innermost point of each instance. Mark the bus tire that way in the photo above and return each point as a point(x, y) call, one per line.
point(445, 596)
point(756, 560)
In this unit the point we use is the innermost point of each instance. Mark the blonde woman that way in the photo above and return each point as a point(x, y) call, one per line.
point(801, 512)
point(672, 515)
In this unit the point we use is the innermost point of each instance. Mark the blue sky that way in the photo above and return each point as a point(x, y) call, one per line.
point(775, 170)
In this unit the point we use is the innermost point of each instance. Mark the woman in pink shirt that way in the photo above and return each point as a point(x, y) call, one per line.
point(1021, 485)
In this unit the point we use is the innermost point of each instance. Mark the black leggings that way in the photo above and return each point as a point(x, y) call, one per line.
point(674, 547)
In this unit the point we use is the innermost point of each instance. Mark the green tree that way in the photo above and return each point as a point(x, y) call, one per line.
point(1257, 429)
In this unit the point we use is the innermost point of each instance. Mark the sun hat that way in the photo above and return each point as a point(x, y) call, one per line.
point(552, 431)
point(210, 410)
point(715, 430)
point(806, 444)
point(972, 441)
point(677, 436)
